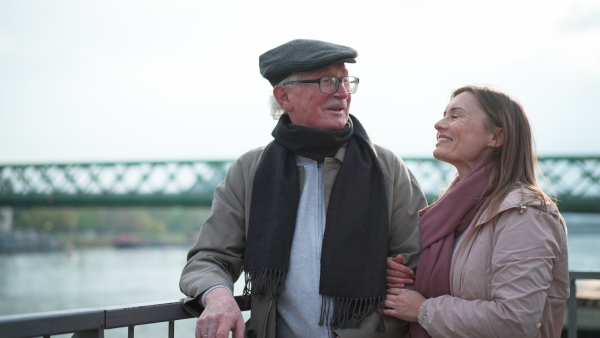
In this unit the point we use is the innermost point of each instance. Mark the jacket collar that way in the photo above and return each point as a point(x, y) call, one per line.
point(521, 199)
point(341, 153)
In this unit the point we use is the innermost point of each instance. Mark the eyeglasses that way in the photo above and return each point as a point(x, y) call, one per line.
point(330, 84)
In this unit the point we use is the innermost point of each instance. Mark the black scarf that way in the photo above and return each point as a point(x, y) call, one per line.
point(355, 243)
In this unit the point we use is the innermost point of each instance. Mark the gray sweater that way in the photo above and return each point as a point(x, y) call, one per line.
point(299, 306)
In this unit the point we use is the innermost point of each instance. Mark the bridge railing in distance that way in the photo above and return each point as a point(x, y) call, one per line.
point(574, 181)
point(91, 323)
point(111, 184)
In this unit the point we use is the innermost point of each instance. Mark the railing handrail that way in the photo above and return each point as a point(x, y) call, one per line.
point(92, 322)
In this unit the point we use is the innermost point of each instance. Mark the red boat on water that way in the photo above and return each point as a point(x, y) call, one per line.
point(125, 240)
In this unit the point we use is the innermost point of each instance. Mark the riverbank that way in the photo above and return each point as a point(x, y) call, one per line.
point(30, 241)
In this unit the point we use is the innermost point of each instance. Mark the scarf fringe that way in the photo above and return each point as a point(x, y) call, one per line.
point(261, 283)
point(338, 312)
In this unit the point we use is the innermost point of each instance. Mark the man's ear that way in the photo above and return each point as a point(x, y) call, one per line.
point(281, 94)
point(498, 137)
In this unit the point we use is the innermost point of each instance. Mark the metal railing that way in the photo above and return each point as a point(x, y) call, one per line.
point(91, 323)
point(575, 181)
point(572, 302)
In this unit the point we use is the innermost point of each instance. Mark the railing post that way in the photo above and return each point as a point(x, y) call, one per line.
point(171, 329)
point(130, 331)
point(89, 334)
point(572, 311)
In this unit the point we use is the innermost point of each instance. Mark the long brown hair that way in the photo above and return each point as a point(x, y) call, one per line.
point(514, 162)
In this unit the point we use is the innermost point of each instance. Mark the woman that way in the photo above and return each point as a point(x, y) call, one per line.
point(495, 246)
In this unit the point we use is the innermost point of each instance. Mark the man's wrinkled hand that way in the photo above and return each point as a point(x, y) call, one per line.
point(220, 316)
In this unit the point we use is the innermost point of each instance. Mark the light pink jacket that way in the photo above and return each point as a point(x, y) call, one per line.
point(509, 276)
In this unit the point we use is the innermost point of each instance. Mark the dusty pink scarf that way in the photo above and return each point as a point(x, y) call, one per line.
point(440, 223)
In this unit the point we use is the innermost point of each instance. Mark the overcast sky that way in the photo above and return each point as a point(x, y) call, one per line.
point(97, 81)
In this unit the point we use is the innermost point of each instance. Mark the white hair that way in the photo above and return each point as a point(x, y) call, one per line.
point(276, 109)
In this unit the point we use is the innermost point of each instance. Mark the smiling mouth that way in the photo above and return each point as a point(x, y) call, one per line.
point(443, 139)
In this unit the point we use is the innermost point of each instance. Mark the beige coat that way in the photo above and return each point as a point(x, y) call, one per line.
point(217, 257)
point(510, 276)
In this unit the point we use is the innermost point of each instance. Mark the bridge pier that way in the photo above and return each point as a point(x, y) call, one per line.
point(6, 219)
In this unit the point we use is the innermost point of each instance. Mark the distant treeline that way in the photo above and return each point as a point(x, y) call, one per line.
point(142, 220)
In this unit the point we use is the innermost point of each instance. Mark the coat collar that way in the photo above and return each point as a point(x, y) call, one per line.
point(521, 199)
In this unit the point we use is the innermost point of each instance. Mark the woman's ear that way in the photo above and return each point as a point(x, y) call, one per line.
point(498, 139)
point(281, 94)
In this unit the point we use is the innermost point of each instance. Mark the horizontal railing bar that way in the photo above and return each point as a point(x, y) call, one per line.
point(584, 274)
point(51, 323)
point(145, 314)
point(81, 320)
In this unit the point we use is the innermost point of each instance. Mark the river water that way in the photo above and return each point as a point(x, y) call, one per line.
point(40, 282)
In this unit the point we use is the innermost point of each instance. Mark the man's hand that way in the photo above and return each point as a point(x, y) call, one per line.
point(398, 275)
point(220, 316)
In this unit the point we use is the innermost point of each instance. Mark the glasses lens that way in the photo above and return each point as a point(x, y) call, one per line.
point(350, 83)
point(328, 84)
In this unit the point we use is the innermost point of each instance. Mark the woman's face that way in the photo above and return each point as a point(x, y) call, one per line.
point(462, 138)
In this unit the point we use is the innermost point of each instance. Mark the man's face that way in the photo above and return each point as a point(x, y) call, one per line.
point(308, 107)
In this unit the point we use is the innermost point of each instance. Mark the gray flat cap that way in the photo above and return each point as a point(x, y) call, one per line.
point(302, 56)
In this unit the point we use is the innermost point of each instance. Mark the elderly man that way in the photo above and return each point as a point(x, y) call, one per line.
point(311, 218)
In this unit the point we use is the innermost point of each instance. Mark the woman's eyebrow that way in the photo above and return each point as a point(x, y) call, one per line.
point(458, 108)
